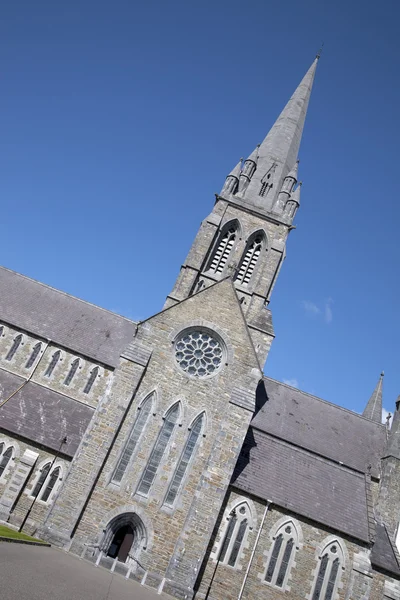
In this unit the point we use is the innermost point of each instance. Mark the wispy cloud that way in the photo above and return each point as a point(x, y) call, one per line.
point(293, 382)
point(323, 311)
point(384, 416)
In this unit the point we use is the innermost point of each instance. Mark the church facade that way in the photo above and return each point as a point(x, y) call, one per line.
point(160, 451)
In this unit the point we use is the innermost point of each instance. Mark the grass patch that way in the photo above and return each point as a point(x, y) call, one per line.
point(15, 535)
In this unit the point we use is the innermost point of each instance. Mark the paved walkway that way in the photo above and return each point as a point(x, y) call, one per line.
point(35, 573)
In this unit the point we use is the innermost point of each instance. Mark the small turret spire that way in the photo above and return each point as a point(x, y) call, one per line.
point(232, 180)
point(393, 444)
point(373, 410)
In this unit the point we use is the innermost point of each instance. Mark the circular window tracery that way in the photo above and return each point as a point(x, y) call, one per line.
point(198, 353)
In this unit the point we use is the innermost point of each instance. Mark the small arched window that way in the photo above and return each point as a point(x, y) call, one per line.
point(223, 249)
point(15, 345)
point(285, 543)
point(5, 457)
point(158, 450)
point(51, 482)
point(92, 377)
point(331, 563)
point(71, 373)
point(249, 259)
point(235, 534)
point(52, 364)
point(184, 460)
point(42, 477)
point(136, 431)
point(33, 356)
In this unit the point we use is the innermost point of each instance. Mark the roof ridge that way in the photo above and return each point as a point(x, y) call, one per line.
point(50, 287)
point(347, 410)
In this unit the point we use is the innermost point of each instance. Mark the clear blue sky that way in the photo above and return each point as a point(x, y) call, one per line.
point(119, 121)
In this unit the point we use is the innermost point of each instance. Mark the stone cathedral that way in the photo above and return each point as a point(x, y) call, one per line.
point(160, 451)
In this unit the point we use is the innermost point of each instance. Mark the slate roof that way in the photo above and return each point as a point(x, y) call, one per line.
point(383, 555)
point(321, 427)
point(41, 415)
point(66, 320)
point(304, 483)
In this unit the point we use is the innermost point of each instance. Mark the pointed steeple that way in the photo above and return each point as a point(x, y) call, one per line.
point(280, 147)
point(373, 410)
point(393, 444)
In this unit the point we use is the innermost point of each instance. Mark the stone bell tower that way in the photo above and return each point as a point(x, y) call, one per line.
point(245, 235)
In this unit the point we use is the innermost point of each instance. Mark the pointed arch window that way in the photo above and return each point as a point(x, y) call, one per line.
point(42, 477)
point(223, 249)
point(136, 431)
point(249, 260)
point(71, 373)
point(282, 555)
point(235, 533)
point(92, 378)
point(53, 363)
point(186, 456)
point(15, 345)
point(49, 487)
point(5, 457)
point(33, 356)
point(158, 450)
point(328, 574)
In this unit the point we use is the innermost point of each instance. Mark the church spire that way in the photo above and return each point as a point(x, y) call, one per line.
point(277, 155)
point(373, 410)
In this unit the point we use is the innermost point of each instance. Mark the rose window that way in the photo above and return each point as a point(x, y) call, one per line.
point(198, 353)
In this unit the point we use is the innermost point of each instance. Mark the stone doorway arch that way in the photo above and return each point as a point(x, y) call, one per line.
point(124, 537)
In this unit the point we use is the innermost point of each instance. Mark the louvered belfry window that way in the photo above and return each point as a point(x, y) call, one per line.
point(136, 431)
point(184, 460)
point(223, 250)
point(249, 260)
point(158, 450)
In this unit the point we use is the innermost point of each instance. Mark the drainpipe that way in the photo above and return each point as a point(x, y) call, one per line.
point(254, 550)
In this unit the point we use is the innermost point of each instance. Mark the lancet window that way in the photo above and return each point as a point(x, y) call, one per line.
point(42, 477)
point(71, 373)
point(46, 482)
point(33, 356)
point(53, 363)
point(331, 563)
point(136, 431)
point(92, 377)
point(50, 484)
point(186, 456)
point(285, 543)
point(223, 249)
point(158, 450)
point(249, 260)
point(235, 533)
point(5, 457)
point(15, 345)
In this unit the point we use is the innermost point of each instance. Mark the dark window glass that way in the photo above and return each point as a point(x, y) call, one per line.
point(40, 481)
point(158, 450)
point(71, 373)
point(52, 365)
point(237, 543)
point(320, 578)
point(285, 562)
point(130, 445)
point(274, 557)
point(50, 484)
point(332, 579)
point(184, 461)
point(33, 356)
point(15, 345)
point(91, 380)
point(228, 536)
point(5, 458)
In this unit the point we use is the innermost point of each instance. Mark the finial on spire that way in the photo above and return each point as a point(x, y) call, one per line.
point(318, 55)
point(373, 410)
